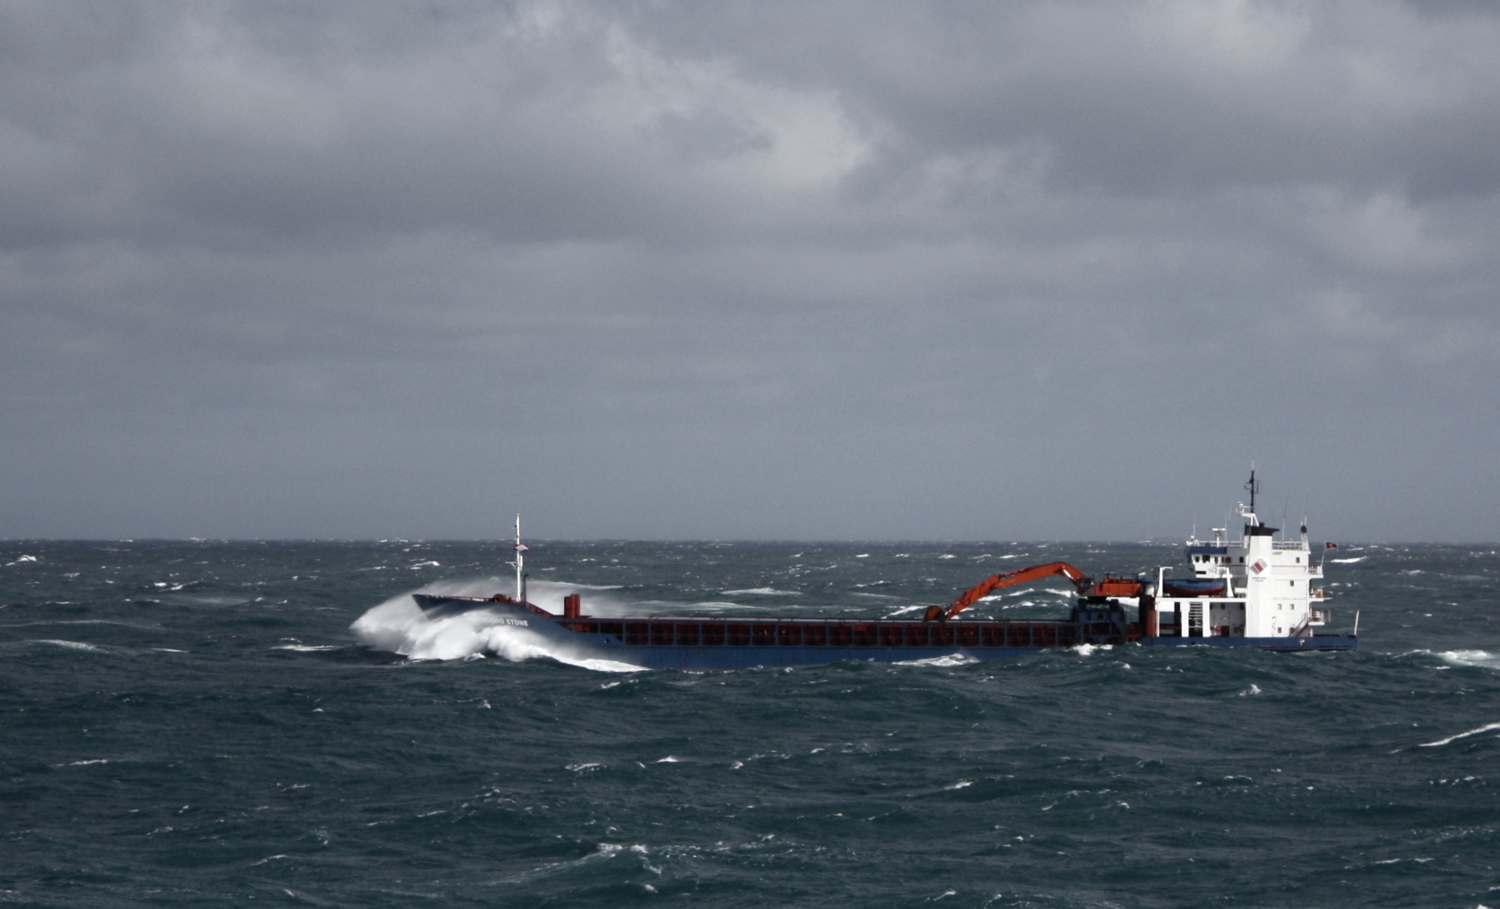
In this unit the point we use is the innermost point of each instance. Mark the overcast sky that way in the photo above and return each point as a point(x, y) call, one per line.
point(748, 270)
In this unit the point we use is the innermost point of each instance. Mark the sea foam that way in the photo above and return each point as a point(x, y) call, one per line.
point(1482, 659)
point(400, 626)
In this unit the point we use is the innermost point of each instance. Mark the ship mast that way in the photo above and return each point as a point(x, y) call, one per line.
point(1249, 513)
point(520, 561)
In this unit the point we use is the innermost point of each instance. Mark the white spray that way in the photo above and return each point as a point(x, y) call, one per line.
point(400, 626)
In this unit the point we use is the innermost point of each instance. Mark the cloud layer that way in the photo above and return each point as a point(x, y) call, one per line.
point(747, 270)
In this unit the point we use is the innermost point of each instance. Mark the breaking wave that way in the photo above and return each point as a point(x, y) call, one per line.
point(947, 659)
point(761, 591)
point(400, 626)
point(1462, 735)
point(1482, 659)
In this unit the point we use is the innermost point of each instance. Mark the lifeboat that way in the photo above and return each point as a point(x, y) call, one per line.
point(1193, 587)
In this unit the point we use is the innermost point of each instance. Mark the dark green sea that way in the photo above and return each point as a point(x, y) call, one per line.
point(197, 723)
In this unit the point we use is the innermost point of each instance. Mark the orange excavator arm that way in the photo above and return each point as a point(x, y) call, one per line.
point(1009, 579)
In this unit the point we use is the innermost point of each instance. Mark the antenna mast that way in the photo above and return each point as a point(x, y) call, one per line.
point(1253, 486)
point(520, 561)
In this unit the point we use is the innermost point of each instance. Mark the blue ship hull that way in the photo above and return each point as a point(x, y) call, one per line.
point(707, 644)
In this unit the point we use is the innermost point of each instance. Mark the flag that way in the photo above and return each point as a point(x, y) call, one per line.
point(1330, 546)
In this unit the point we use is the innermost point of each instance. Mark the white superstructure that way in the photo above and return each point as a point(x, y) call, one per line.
point(1266, 586)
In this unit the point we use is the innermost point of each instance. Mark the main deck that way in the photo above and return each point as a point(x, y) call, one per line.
point(697, 643)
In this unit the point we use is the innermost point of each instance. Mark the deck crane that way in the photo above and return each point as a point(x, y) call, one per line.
point(1109, 587)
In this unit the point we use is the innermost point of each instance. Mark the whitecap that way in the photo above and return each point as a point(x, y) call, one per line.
point(1348, 561)
point(78, 621)
point(1091, 649)
point(713, 606)
point(760, 591)
point(904, 610)
point(961, 784)
point(72, 645)
point(947, 659)
point(269, 858)
point(1462, 735)
point(1481, 659)
point(597, 665)
point(603, 852)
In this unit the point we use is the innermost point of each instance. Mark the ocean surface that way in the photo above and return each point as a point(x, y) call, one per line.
point(214, 723)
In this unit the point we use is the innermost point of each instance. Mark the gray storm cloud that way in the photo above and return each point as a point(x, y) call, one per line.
point(747, 270)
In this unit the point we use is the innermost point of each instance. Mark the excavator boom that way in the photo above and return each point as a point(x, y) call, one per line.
point(1008, 579)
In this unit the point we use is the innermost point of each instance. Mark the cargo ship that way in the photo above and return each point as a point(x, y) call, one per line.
point(1255, 591)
